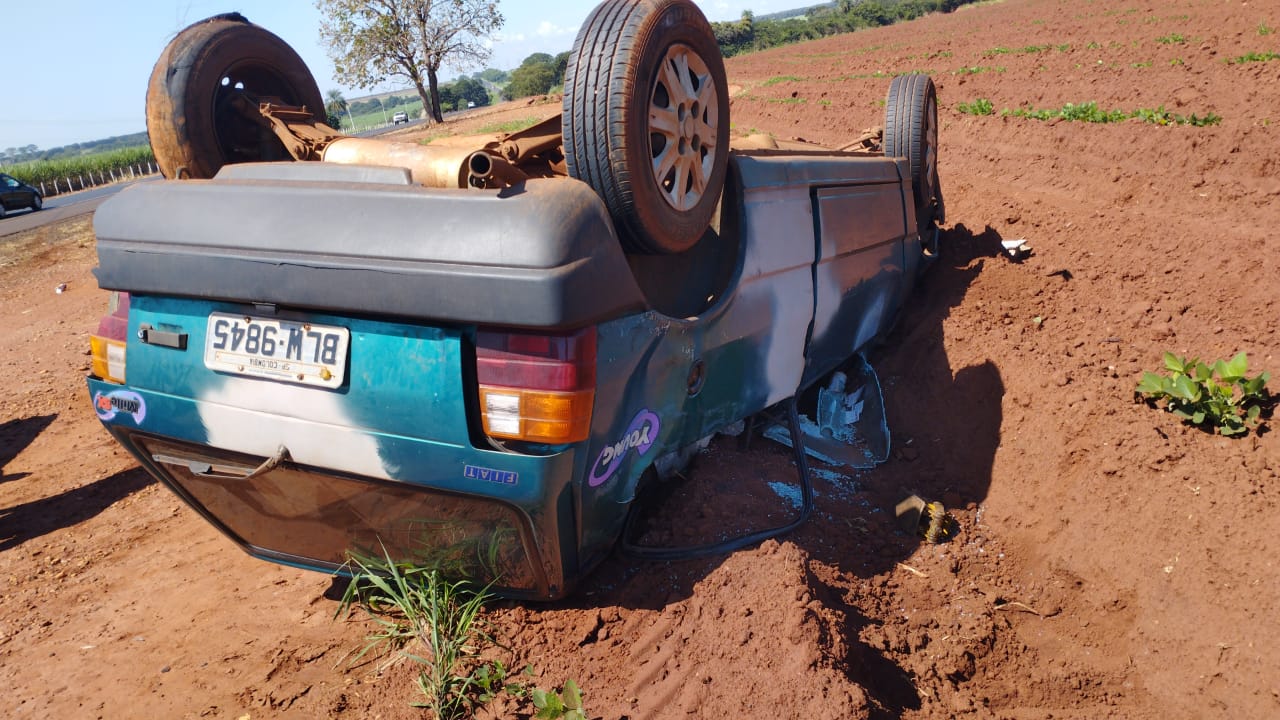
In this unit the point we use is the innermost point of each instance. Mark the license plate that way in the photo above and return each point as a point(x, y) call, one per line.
point(294, 352)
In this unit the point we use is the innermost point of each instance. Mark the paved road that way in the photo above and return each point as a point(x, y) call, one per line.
point(63, 207)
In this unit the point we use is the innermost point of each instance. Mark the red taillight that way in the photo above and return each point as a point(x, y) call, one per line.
point(536, 387)
point(107, 346)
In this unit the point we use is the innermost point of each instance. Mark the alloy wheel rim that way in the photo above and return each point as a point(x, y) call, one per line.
point(683, 122)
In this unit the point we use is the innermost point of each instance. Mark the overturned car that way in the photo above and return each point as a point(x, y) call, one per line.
point(472, 357)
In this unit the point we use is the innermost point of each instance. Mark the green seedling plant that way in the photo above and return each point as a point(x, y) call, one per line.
point(1218, 397)
point(564, 705)
point(981, 106)
point(1253, 57)
point(421, 617)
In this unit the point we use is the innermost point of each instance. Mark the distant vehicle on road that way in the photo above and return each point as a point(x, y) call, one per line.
point(16, 195)
point(400, 117)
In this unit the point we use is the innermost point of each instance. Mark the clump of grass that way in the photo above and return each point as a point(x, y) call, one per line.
point(1139, 65)
point(780, 79)
point(996, 51)
point(1254, 57)
point(978, 69)
point(981, 106)
point(1172, 39)
point(421, 617)
point(1264, 29)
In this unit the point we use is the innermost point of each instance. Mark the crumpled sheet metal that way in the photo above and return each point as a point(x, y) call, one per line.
point(851, 429)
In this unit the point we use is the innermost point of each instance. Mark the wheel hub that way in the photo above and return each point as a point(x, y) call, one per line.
point(682, 127)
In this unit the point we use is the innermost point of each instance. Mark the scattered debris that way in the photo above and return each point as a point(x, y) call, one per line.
point(1021, 607)
point(851, 429)
point(928, 520)
point(61, 288)
point(912, 570)
point(790, 493)
point(1016, 250)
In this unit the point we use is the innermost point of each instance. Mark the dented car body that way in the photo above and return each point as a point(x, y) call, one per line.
point(395, 456)
point(471, 359)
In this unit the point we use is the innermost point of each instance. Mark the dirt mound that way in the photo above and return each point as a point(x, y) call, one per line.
point(759, 616)
point(1109, 562)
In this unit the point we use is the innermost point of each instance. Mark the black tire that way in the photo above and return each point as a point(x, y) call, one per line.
point(2, 210)
point(660, 178)
point(37, 202)
point(192, 119)
point(911, 131)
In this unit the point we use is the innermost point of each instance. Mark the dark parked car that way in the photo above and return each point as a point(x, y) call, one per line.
point(16, 195)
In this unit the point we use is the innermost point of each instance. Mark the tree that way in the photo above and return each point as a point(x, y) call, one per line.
point(469, 90)
point(335, 105)
point(371, 40)
point(537, 75)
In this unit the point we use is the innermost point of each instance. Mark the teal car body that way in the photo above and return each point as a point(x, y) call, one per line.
point(812, 257)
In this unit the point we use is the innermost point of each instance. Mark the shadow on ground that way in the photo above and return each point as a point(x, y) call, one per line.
point(38, 518)
point(15, 436)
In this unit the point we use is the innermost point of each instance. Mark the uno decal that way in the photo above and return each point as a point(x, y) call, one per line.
point(120, 401)
point(640, 435)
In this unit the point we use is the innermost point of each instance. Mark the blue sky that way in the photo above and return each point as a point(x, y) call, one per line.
point(77, 70)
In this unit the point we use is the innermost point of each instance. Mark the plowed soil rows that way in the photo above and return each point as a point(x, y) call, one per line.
point(1110, 562)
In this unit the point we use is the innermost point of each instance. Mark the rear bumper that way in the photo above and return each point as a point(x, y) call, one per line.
point(494, 517)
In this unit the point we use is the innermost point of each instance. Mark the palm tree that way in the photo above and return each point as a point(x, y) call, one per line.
point(335, 105)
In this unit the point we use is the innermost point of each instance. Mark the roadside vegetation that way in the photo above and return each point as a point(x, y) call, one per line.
point(83, 171)
point(752, 33)
point(438, 625)
point(1090, 112)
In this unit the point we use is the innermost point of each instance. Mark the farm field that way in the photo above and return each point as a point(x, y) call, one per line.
point(1110, 562)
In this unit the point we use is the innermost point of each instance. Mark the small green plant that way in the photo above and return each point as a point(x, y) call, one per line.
point(981, 106)
point(1264, 29)
point(780, 79)
point(564, 705)
point(1093, 46)
point(1218, 397)
point(978, 69)
point(1139, 65)
point(433, 622)
point(1160, 116)
point(997, 51)
point(1253, 57)
point(1175, 62)
point(1172, 39)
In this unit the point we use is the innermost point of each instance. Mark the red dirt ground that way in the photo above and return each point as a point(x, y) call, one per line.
point(1110, 562)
